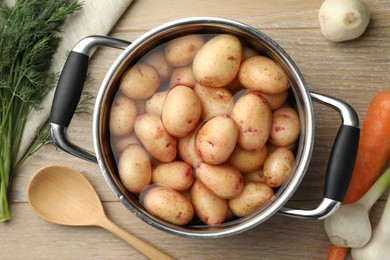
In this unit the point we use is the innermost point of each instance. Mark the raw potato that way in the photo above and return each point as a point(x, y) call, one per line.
point(181, 111)
point(217, 63)
point(208, 207)
point(278, 166)
point(122, 116)
point(223, 180)
point(156, 140)
point(254, 177)
point(140, 81)
point(182, 76)
point(181, 51)
point(216, 139)
point(253, 196)
point(176, 175)
point(260, 73)
point(285, 127)
point(247, 53)
point(254, 119)
point(248, 161)
point(186, 149)
point(119, 143)
point(167, 204)
point(215, 101)
point(343, 20)
point(135, 169)
point(276, 100)
point(158, 61)
point(155, 104)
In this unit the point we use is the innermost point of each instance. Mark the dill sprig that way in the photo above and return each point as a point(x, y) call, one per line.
point(29, 36)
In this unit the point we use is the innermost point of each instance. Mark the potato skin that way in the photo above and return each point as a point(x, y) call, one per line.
point(254, 195)
point(215, 101)
point(260, 73)
point(140, 81)
point(248, 161)
point(278, 166)
point(285, 127)
point(186, 149)
point(254, 119)
point(181, 51)
point(177, 175)
point(122, 116)
point(155, 103)
point(168, 204)
point(156, 140)
point(276, 100)
point(182, 76)
point(181, 111)
point(218, 61)
point(208, 207)
point(158, 61)
point(223, 180)
point(216, 139)
point(135, 169)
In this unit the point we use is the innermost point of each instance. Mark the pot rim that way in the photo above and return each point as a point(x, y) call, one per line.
point(304, 107)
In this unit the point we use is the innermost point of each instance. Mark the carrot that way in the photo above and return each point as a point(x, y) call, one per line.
point(373, 155)
point(374, 147)
point(336, 252)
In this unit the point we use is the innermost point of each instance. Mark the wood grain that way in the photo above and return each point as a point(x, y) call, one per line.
point(352, 71)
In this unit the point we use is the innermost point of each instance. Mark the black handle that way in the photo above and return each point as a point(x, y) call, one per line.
point(69, 88)
point(341, 162)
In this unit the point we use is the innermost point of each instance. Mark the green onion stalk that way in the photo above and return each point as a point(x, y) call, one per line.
point(29, 36)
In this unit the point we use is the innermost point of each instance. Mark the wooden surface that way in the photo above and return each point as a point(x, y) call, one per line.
point(353, 71)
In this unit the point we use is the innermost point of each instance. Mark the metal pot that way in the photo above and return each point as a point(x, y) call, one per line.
point(68, 92)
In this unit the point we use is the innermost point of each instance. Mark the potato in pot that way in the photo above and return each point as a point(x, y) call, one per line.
point(217, 63)
point(181, 111)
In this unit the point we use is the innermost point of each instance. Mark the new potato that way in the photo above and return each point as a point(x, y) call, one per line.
point(122, 116)
point(168, 204)
point(253, 116)
point(260, 73)
point(140, 81)
point(253, 196)
point(208, 207)
point(217, 62)
point(181, 51)
point(215, 101)
point(248, 161)
point(278, 166)
point(285, 127)
point(155, 103)
point(181, 111)
point(216, 139)
point(223, 180)
point(135, 169)
point(156, 140)
point(177, 175)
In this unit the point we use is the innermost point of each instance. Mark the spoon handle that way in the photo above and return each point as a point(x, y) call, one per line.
point(143, 247)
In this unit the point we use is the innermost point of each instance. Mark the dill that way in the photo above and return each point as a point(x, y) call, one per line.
point(29, 36)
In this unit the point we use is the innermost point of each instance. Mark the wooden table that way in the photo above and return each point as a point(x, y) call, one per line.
point(353, 71)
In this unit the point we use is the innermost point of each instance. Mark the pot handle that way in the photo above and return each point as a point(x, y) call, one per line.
point(69, 90)
point(341, 162)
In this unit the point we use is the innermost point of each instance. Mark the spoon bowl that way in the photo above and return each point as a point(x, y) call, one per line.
point(64, 196)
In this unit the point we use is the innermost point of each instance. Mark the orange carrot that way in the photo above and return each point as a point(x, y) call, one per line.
point(373, 155)
point(374, 147)
point(336, 252)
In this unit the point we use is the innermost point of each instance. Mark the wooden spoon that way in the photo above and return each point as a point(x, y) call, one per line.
point(63, 196)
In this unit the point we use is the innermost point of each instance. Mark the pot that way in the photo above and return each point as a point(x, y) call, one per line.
point(70, 85)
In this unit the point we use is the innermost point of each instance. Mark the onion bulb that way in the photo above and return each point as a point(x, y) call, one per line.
point(350, 225)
